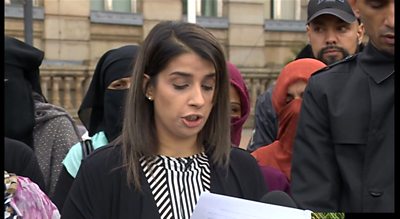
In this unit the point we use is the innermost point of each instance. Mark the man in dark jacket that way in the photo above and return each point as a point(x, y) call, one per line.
point(343, 158)
point(332, 37)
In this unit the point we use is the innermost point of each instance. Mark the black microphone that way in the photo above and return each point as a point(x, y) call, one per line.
point(277, 197)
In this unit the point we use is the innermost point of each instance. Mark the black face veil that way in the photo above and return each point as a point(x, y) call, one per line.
point(102, 108)
point(21, 77)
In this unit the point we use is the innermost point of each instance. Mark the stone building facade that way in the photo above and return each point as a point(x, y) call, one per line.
point(259, 36)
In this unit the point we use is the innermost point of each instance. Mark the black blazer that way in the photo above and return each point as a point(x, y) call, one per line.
point(343, 154)
point(100, 190)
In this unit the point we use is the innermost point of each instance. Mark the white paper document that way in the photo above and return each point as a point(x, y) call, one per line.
point(214, 206)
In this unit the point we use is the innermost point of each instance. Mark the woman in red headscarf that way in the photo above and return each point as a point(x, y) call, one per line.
point(286, 100)
point(240, 103)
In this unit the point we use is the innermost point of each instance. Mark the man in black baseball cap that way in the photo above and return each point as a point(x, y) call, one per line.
point(333, 33)
point(333, 30)
point(338, 8)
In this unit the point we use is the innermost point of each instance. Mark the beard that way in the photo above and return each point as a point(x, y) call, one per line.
point(331, 59)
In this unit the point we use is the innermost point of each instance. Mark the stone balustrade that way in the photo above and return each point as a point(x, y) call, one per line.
point(66, 86)
point(257, 81)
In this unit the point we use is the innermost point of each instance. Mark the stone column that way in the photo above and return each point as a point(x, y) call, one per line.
point(155, 11)
point(68, 105)
point(246, 32)
point(66, 37)
point(66, 31)
point(44, 84)
point(79, 90)
point(56, 91)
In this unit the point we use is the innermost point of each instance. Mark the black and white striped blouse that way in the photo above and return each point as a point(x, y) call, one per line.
point(176, 183)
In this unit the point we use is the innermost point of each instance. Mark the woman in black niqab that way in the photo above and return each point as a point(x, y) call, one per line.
point(101, 111)
point(21, 77)
point(101, 108)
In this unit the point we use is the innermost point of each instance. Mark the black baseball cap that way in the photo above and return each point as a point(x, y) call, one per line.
point(338, 8)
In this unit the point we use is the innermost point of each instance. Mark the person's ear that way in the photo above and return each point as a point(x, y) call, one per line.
point(353, 5)
point(308, 30)
point(147, 87)
point(360, 32)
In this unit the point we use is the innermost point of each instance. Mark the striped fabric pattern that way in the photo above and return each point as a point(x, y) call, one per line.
point(176, 183)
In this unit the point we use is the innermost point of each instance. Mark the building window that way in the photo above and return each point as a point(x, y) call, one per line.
point(35, 3)
point(128, 6)
point(206, 8)
point(285, 9)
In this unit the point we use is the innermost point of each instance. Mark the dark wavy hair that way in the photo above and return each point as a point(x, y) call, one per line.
point(166, 41)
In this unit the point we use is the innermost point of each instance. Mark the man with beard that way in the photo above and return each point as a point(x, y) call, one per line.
point(343, 154)
point(333, 33)
point(333, 30)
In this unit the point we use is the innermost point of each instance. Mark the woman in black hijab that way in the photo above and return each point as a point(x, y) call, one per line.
point(100, 112)
point(21, 77)
point(101, 107)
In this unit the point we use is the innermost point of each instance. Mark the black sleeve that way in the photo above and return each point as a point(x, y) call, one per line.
point(82, 195)
point(63, 186)
point(266, 125)
point(249, 174)
point(315, 179)
point(261, 187)
point(20, 159)
point(90, 195)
